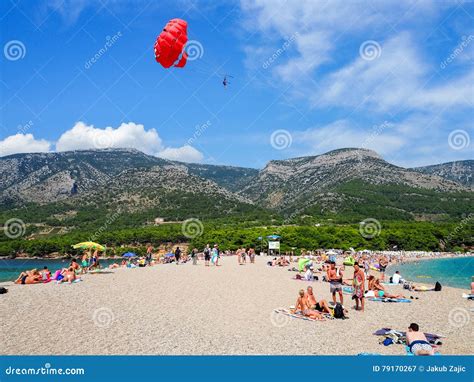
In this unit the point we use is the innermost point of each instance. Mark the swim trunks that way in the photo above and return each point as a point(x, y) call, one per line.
point(335, 286)
point(418, 345)
point(318, 307)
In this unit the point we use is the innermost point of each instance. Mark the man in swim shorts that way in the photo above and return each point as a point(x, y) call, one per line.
point(417, 341)
point(334, 276)
point(321, 306)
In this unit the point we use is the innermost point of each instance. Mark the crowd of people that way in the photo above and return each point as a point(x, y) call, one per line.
point(365, 278)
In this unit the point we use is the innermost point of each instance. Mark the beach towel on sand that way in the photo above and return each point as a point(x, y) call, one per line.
point(384, 331)
point(381, 299)
point(299, 315)
point(408, 352)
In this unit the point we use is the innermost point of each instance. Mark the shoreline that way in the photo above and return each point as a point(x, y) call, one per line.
point(392, 268)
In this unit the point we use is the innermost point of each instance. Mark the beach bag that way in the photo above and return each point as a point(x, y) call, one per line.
point(406, 285)
point(338, 311)
point(3, 290)
point(437, 287)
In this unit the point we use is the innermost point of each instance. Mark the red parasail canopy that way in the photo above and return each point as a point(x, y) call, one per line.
point(169, 46)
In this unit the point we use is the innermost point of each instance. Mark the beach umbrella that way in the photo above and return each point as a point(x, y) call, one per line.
point(89, 245)
point(169, 255)
point(129, 254)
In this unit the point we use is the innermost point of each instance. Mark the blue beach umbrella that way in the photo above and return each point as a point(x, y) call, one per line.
point(129, 254)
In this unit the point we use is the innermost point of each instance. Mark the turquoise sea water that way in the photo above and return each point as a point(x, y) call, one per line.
point(10, 269)
point(455, 272)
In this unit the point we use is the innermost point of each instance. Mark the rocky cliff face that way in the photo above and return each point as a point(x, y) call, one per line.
point(284, 183)
point(460, 171)
point(345, 181)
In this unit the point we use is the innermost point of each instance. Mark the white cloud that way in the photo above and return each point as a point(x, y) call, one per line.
point(83, 137)
point(127, 135)
point(324, 27)
point(382, 138)
point(183, 154)
point(325, 67)
point(23, 143)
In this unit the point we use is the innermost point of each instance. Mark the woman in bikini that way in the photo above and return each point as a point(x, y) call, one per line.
point(379, 289)
point(303, 305)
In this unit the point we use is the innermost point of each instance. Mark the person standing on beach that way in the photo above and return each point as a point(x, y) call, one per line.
point(252, 255)
point(149, 253)
point(177, 255)
point(335, 282)
point(382, 266)
point(215, 255)
point(207, 255)
point(358, 283)
point(194, 256)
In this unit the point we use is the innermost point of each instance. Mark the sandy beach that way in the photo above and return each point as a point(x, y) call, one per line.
point(186, 309)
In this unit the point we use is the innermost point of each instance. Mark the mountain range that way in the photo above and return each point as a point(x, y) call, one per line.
point(345, 184)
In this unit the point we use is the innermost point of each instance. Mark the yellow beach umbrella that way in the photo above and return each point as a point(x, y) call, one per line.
point(89, 245)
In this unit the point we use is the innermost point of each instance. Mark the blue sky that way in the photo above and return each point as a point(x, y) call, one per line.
point(307, 77)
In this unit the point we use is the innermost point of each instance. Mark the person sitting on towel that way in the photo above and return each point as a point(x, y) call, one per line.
point(309, 275)
point(417, 341)
point(321, 306)
point(303, 305)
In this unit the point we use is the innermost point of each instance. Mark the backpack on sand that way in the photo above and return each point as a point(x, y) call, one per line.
point(338, 311)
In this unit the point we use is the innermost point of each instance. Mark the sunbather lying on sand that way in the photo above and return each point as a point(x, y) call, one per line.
point(29, 277)
point(379, 290)
point(417, 341)
point(303, 305)
point(321, 306)
point(69, 276)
